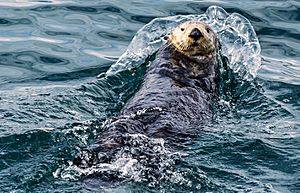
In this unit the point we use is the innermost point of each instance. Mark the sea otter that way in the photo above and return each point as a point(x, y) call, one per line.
point(175, 97)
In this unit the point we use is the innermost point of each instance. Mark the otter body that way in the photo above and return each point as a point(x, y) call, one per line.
point(173, 102)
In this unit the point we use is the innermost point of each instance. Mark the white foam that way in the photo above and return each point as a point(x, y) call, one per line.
point(134, 161)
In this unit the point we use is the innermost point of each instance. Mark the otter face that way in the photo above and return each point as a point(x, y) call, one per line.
point(194, 38)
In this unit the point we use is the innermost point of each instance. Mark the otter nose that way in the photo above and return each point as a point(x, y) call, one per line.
point(195, 34)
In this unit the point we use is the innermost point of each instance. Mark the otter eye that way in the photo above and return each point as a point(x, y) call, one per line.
point(182, 29)
point(208, 30)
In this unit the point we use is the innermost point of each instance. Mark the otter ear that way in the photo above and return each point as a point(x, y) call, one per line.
point(166, 37)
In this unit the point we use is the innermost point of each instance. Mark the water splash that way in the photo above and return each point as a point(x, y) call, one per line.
point(141, 159)
point(236, 34)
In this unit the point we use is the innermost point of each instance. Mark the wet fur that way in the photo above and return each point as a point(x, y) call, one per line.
point(173, 102)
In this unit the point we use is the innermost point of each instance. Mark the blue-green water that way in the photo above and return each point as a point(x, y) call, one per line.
point(51, 102)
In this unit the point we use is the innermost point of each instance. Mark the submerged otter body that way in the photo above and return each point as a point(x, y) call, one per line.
point(173, 102)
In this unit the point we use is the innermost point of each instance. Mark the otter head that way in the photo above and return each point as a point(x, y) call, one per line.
point(194, 38)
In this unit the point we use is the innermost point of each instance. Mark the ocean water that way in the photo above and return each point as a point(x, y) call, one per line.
point(52, 103)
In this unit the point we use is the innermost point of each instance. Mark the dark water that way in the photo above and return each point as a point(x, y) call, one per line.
point(51, 102)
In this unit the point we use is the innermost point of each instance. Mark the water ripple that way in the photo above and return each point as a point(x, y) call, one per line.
point(51, 102)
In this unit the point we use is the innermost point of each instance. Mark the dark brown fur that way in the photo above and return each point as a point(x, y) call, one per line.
point(173, 103)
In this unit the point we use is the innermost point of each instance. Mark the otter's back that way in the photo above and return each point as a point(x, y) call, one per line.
point(167, 102)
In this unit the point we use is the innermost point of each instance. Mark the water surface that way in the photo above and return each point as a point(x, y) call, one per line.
point(51, 102)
